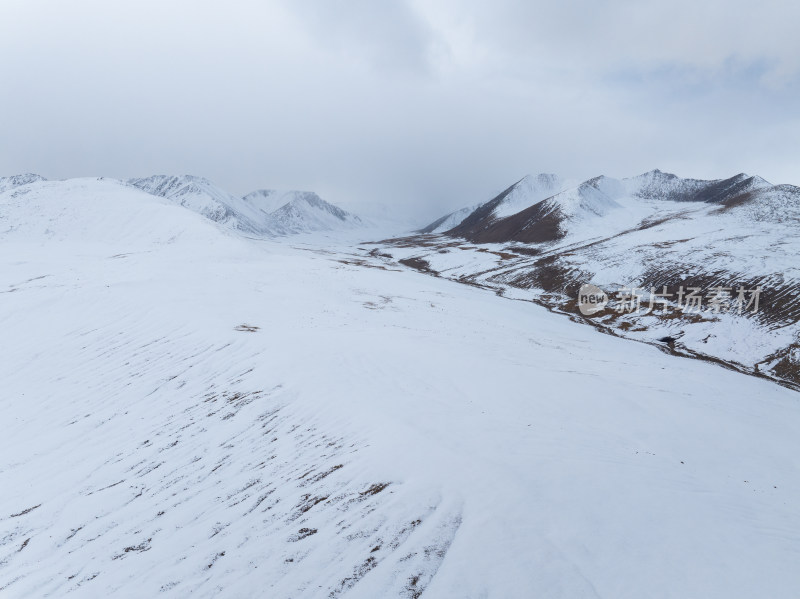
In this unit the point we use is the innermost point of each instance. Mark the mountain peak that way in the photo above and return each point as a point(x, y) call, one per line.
point(542, 179)
point(528, 191)
point(657, 174)
point(305, 211)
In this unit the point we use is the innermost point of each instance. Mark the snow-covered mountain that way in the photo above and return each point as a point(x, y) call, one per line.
point(269, 200)
point(450, 220)
point(188, 412)
point(541, 219)
point(666, 186)
point(301, 211)
point(13, 181)
point(202, 196)
point(524, 193)
point(655, 231)
point(548, 208)
point(262, 212)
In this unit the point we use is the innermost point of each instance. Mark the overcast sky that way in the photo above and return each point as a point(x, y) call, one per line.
point(415, 107)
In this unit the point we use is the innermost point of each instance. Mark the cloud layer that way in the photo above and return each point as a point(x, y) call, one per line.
point(406, 106)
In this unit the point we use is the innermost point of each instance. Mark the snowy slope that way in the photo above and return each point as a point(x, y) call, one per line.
point(191, 413)
point(92, 212)
point(528, 191)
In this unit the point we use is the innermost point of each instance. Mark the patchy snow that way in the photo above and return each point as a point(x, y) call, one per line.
point(666, 186)
point(190, 412)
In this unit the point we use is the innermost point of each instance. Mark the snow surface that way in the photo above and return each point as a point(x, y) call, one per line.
point(382, 433)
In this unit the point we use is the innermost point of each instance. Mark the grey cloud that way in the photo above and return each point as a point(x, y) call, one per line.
point(385, 35)
point(414, 107)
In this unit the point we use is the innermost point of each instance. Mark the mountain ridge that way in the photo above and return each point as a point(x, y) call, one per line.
point(544, 220)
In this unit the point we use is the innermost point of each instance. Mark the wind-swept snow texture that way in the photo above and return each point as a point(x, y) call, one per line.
point(187, 412)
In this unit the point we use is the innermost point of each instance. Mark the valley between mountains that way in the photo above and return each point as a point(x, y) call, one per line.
point(218, 396)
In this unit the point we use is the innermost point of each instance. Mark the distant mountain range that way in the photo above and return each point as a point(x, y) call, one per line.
point(543, 237)
point(543, 208)
point(13, 181)
point(262, 212)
